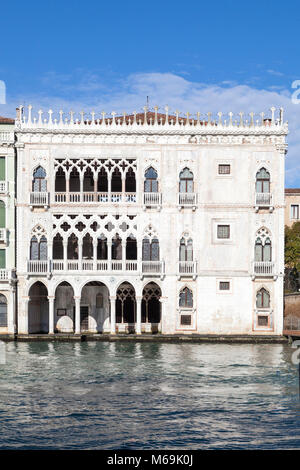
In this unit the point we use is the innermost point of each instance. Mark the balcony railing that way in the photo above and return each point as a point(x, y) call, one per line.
point(3, 187)
point(7, 137)
point(99, 265)
point(145, 267)
point(153, 267)
point(5, 274)
point(263, 268)
point(152, 199)
point(3, 235)
point(187, 268)
point(263, 199)
point(95, 197)
point(40, 267)
point(187, 199)
point(39, 199)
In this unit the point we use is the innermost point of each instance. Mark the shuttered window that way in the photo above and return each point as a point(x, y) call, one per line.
point(2, 214)
point(2, 259)
point(3, 311)
point(2, 169)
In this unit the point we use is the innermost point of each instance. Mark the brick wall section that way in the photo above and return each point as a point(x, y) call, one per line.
point(292, 305)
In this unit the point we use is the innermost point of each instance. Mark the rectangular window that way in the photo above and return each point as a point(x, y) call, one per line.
point(294, 211)
point(2, 169)
point(223, 231)
point(224, 285)
point(3, 314)
point(263, 320)
point(224, 169)
point(186, 320)
point(2, 259)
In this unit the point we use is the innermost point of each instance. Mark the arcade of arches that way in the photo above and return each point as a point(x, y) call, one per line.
point(94, 310)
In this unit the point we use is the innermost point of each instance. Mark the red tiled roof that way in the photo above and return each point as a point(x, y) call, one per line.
point(292, 191)
point(5, 120)
point(140, 118)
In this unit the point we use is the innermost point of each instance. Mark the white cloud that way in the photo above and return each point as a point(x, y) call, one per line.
point(275, 73)
point(89, 91)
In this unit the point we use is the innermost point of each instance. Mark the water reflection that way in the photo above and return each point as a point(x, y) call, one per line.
point(136, 395)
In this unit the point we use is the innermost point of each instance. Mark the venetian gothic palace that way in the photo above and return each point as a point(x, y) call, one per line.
point(144, 223)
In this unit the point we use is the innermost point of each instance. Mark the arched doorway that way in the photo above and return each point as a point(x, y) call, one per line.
point(125, 308)
point(64, 308)
point(38, 309)
point(151, 307)
point(94, 307)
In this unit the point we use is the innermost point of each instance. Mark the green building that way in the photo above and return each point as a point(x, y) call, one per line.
point(7, 227)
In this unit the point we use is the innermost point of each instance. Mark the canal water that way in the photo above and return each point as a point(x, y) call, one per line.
point(148, 396)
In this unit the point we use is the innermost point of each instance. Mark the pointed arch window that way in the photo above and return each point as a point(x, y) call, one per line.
point(3, 311)
point(262, 299)
point(116, 248)
point(262, 181)
point(186, 181)
point(38, 249)
point(58, 248)
point(263, 250)
point(102, 247)
point(186, 250)
point(130, 182)
point(186, 298)
point(39, 183)
point(150, 249)
point(151, 183)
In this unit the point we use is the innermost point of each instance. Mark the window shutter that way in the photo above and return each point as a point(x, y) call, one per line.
point(2, 214)
point(258, 251)
point(3, 311)
point(267, 251)
point(2, 259)
point(2, 169)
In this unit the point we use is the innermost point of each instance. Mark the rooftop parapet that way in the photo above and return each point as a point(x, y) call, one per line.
point(153, 122)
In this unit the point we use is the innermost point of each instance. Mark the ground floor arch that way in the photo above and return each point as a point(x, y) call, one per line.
point(125, 307)
point(151, 307)
point(94, 307)
point(38, 308)
point(64, 308)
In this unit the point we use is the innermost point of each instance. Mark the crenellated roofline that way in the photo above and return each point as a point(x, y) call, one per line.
point(152, 122)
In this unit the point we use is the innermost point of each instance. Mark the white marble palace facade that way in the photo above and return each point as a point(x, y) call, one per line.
point(150, 223)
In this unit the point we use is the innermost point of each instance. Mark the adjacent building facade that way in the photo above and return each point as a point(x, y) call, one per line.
point(7, 227)
point(292, 211)
point(150, 223)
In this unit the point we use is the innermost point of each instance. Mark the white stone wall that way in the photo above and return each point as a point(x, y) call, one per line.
point(226, 199)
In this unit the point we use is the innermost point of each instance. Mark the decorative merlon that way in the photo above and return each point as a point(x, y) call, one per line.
point(152, 122)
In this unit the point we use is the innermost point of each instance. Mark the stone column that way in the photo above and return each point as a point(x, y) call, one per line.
point(95, 244)
point(81, 187)
point(95, 186)
point(26, 314)
point(67, 189)
point(123, 188)
point(51, 299)
point(12, 324)
point(162, 318)
point(123, 255)
point(109, 243)
point(77, 315)
point(112, 315)
point(80, 242)
point(138, 329)
point(65, 246)
point(109, 186)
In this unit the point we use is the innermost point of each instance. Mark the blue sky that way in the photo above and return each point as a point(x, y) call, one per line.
point(194, 56)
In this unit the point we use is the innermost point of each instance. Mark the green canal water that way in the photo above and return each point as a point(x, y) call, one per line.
point(148, 396)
